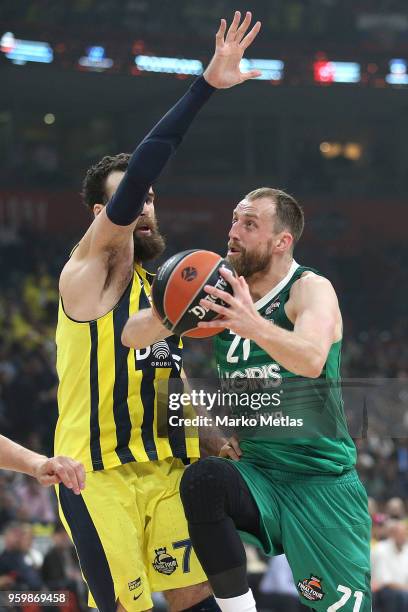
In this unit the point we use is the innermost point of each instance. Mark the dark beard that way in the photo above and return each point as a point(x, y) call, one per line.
point(147, 248)
point(247, 264)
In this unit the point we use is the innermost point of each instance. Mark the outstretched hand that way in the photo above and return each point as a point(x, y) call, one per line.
point(224, 69)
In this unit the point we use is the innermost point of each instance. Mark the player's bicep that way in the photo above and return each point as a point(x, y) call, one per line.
point(80, 281)
point(317, 313)
point(105, 235)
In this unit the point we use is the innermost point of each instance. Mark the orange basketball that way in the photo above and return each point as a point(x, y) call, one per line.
point(178, 288)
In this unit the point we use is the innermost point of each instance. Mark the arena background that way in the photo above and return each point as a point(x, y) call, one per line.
point(328, 123)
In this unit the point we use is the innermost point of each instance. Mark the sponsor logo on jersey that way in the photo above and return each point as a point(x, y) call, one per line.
point(311, 588)
point(269, 372)
point(158, 355)
point(135, 584)
point(164, 563)
point(188, 274)
point(272, 307)
point(161, 349)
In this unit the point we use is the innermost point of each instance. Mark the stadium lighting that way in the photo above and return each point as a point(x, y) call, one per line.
point(350, 150)
point(272, 70)
point(95, 59)
point(330, 150)
point(353, 151)
point(49, 119)
point(22, 51)
point(169, 65)
point(398, 72)
point(337, 72)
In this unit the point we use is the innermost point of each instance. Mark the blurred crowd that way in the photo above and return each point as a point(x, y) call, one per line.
point(36, 558)
point(56, 156)
point(36, 553)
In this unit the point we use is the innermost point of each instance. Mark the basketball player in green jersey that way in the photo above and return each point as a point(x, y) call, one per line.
point(297, 493)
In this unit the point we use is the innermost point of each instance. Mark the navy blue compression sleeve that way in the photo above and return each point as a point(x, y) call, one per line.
point(152, 154)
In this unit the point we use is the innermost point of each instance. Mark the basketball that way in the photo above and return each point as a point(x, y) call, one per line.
point(179, 286)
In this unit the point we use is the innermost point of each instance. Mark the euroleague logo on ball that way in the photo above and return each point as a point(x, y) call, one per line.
point(188, 274)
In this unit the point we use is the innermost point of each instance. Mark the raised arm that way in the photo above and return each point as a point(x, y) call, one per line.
point(116, 222)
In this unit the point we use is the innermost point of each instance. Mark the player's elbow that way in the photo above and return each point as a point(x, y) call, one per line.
point(314, 360)
point(314, 372)
point(314, 367)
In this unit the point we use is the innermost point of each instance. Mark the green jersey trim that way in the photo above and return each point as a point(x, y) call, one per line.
point(278, 288)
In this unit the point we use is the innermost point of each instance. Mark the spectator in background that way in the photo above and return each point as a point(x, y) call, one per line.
point(60, 569)
point(15, 572)
point(8, 502)
point(33, 557)
point(379, 530)
point(395, 508)
point(389, 566)
point(35, 501)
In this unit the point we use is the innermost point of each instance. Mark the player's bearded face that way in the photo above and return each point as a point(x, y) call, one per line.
point(148, 242)
point(246, 261)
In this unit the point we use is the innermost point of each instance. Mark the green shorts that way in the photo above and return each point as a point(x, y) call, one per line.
point(321, 523)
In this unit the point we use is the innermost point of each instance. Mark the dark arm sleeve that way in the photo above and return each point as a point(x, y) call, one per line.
point(152, 154)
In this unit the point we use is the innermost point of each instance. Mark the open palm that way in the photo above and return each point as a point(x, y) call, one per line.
point(223, 71)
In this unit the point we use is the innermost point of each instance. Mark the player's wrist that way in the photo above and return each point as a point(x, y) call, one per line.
point(204, 85)
point(208, 79)
point(215, 80)
point(262, 330)
point(36, 464)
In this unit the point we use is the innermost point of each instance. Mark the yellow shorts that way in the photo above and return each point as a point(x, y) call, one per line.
point(130, 533)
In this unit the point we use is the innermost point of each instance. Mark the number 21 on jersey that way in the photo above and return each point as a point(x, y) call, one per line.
point(246, 347)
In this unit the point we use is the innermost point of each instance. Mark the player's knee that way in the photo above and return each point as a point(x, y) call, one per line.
point(203, 491)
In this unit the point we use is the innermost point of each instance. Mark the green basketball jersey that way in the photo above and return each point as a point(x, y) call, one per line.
point(311, 435)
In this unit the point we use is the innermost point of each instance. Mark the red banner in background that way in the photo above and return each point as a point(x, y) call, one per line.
point(333, 221)
point(43, 211)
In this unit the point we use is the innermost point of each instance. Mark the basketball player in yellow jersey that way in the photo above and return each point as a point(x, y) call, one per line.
point(128, 525)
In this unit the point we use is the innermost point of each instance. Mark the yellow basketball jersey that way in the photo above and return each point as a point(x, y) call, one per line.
point(110, 406)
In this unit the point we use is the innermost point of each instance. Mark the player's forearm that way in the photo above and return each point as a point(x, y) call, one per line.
point(153, 153)
point(293, 352)
point(172, 127)
point(17, 458)
point(143, 329)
